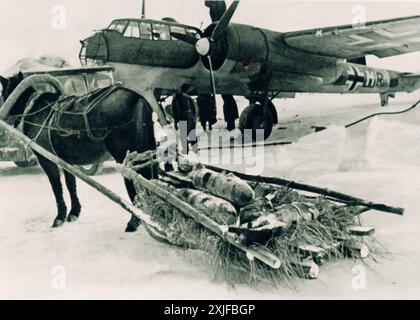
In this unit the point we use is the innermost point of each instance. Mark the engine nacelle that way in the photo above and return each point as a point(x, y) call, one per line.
point(257, 51)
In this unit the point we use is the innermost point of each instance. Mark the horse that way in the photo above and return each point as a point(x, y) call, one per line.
point(117, 121)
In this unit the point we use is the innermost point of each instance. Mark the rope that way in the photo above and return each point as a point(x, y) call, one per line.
point(23, 115)
point(58, 110)
point(62, 111)
point(76, 132)
point(43, 126)
point(383, 114)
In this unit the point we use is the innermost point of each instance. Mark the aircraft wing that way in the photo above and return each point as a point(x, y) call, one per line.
point(384, 38)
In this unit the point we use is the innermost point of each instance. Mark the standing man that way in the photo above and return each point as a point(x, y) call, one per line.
point(184, 111)
point(207, 110)
point(217, 9)
point(230, 111)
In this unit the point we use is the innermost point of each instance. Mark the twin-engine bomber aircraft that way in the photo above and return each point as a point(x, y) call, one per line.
point(159, 57)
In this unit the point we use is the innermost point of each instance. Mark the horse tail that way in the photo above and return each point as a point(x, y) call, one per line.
point(26, 84)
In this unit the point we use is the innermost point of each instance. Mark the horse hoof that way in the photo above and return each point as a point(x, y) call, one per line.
point(130, 229)
point(58, 223)
point(72, 218)
point(133, 224)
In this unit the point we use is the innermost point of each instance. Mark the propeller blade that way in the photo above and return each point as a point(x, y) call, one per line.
point(222, 25)
point(184, 37)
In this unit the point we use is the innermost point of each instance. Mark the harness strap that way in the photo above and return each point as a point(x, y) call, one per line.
point(60, 111)
point(42, 127)
point(57, 110)
point(49, 137)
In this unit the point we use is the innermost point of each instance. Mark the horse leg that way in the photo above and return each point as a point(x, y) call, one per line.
point(53, 175)
point(118, 149)
point(134, 222)
point(137, 137)
point(75, 204)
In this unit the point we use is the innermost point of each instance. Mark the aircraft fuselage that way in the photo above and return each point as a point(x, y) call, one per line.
point(247, 61)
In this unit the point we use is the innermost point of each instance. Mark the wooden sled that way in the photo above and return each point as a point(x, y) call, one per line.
point(252, 216)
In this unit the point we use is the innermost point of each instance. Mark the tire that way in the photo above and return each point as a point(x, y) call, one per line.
point(27, 164)
point(252, 118)
point(272, 108)
point(92, 169)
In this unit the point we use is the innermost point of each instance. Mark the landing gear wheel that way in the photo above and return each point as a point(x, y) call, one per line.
point(252, 119)
point(92, 169)
point(27, 164)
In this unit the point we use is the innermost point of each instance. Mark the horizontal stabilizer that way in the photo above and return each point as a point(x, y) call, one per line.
point(409, 82)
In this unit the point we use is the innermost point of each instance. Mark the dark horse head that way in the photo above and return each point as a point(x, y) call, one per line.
point(9, 84)
point(4, 83)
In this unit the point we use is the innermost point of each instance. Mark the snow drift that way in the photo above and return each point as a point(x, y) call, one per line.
point(43, 63)
point(392, 144)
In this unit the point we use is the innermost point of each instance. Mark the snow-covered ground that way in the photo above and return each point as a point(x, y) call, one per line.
point(377, 160)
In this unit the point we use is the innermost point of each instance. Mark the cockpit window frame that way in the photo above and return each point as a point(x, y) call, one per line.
point(136, 24)
point(150, 35)
point(123, 22)
point(168, 24)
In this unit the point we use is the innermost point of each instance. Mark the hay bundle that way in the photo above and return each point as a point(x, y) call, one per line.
point(303, 232)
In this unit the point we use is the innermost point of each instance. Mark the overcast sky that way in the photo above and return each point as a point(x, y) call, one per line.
point(26, 26)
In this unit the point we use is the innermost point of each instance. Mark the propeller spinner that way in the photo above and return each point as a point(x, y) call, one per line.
point(203, 46)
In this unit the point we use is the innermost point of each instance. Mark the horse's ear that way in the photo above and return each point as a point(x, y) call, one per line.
point(3, 80)
point(3, 84)
point(20, 75)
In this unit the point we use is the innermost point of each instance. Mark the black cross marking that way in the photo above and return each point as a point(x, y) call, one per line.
point(356, 78)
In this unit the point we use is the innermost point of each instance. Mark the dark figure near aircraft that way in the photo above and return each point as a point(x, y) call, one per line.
point(184, 111)
point(207, 110)
point(217, 9)
point(230, 111)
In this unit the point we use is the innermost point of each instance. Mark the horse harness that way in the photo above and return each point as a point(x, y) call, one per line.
point(78, 107)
